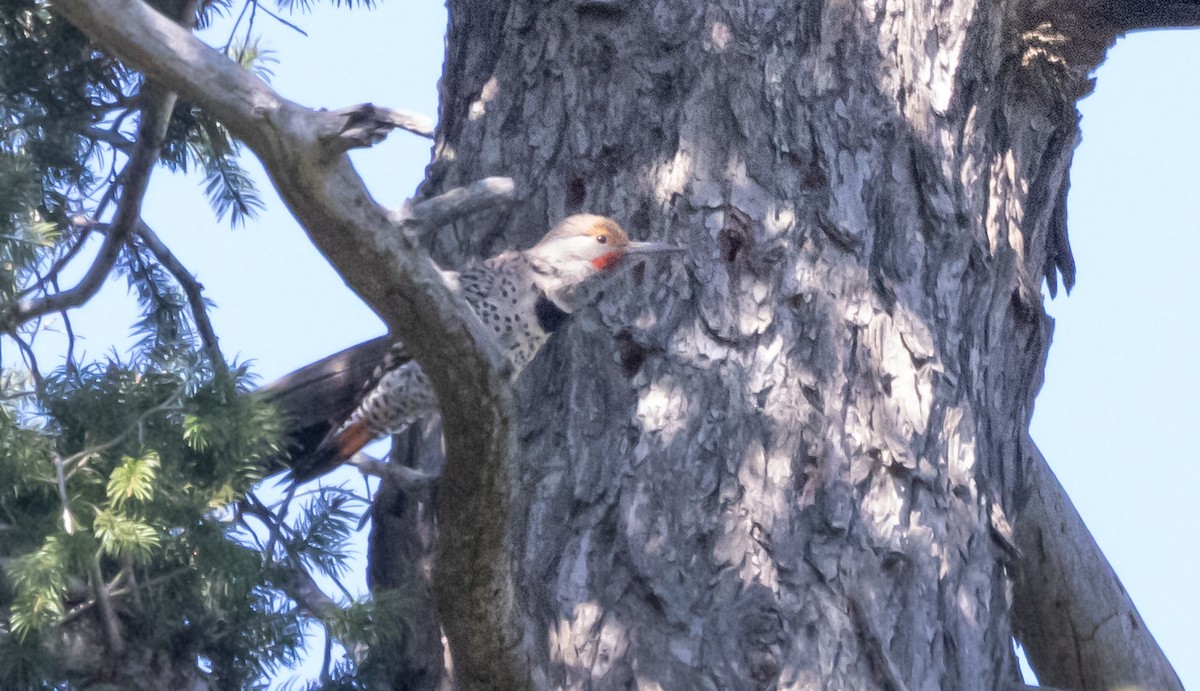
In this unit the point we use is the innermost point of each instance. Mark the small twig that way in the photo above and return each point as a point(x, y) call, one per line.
point(112, 625)
point(276, 525)
point(192, 288)
point(113, 180)
point(241, 520)
point(67, 327)
point(250, 22)
point(236, 23)
point(283, 21)
point(70, 331)
point(110, 137)
point(30, 361)
point(445, 208)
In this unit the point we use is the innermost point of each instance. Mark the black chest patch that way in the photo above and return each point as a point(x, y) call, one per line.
point(549, 315)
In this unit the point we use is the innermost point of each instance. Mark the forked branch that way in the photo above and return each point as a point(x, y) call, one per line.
point(402, 284)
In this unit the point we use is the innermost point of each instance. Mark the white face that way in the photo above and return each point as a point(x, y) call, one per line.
point(577, 251)
point(580, 250)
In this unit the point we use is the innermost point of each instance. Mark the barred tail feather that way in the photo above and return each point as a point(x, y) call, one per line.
point(333, 451)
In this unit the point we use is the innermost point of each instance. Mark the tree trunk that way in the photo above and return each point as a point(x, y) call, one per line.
point(789, 458)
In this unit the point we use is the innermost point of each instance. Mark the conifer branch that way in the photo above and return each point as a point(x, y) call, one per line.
point(69, 462)
point(192, 289)
point(136, 177)
point(300, 586)
point(158, 104)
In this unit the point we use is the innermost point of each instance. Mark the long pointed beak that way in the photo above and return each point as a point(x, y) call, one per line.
point(650, 248)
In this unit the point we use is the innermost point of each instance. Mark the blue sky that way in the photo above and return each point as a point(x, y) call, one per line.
point(1113, 417)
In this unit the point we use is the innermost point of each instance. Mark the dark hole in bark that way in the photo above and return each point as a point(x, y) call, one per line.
point(576, 194)
point(632, 353)
point(601, 8)
point(735, 236)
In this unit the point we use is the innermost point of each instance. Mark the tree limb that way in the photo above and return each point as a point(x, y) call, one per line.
point(1079, 628)
point(1134, 15)
point(108, 615)
point(368, 124)
point(1099, 22)
point(192, 288)
point(459, 202)
point(402, 284)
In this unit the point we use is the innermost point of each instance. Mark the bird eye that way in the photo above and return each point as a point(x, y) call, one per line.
point(601, 239)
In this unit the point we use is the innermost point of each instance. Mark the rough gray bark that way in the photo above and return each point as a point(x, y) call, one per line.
point(793, 459)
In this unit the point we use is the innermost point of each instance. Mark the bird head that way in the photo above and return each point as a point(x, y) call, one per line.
point(579, 252)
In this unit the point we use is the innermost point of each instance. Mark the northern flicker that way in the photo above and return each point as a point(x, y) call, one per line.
point(521, 296)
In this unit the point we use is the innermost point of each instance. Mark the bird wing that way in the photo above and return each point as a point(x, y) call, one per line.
point(318, 403)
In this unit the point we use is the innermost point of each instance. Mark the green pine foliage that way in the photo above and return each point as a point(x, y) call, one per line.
point(125, 487)
point(126, 483)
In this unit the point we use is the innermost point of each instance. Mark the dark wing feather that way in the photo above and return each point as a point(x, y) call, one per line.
point(317, 400)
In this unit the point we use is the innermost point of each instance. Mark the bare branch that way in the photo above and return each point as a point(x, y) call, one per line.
point(1133, 15)
point(1077, 624)
point(110, 137)
point(418, 124)
point(192, 288)
point(366, 125)
point(482, 195)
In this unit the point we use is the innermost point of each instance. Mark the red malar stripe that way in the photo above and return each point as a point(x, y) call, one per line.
point(607, 261)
